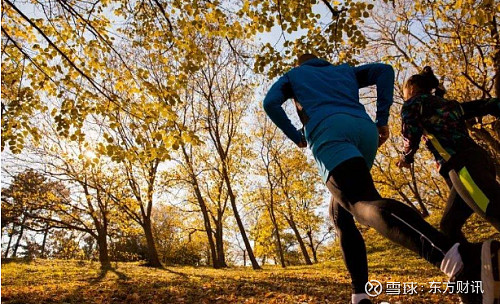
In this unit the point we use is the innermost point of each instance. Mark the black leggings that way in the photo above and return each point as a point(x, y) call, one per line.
point(352, 186)
point(471, 171)
point(455, 215)
point(352, 246)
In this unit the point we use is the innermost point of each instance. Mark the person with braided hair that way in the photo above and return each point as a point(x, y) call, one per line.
point(467, 168)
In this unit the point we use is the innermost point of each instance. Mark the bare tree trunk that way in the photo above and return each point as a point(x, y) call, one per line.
point(311, 245)
point(278, 237)
point(232, 199)
point(11, 234)
point(219, 239)
point(44, 242)
point(102, 242)
point(209, 257)
point(208, 227)
point(303, 248)
point(153, 259)
point(14, 254)
point(204, 210)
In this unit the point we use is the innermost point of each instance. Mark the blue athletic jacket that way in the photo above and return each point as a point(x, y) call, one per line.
point(322, 89)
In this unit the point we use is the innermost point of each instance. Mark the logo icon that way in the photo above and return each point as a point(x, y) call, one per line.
point(373, 288)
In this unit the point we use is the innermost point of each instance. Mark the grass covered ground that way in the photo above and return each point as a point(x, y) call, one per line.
point(72, 282)
point(58, 281)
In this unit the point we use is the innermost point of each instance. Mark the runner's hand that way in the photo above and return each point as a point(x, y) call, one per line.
point(383, 134)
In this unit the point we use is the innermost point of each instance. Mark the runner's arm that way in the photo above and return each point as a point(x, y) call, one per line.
point(382, 75)
point(481, 107)
point(279, 92)
point(411, 130)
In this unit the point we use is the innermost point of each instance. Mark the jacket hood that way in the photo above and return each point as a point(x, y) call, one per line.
point(316, 62)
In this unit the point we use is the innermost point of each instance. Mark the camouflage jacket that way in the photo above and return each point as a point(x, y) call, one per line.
point(441, 124)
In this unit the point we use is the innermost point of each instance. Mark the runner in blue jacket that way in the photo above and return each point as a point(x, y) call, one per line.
point(351, 241)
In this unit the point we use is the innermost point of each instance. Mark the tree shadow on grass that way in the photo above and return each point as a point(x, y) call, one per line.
point(104, 272)
point(175, 272)
point(164, 269)
point(207, 290)
point(213, 289)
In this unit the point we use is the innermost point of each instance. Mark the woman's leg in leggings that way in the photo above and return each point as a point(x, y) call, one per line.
point(352, 245)
point(475, 181)
point(454, 217)
point(352, 185)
